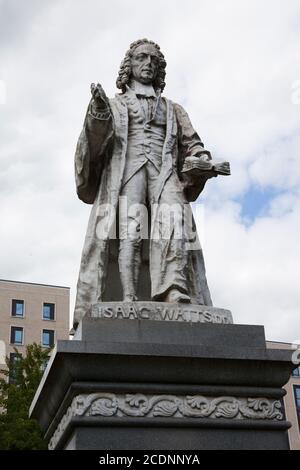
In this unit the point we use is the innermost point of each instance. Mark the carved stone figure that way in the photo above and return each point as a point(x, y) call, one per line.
point(141, 148)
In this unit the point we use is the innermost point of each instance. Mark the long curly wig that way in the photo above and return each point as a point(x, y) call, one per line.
point(125, 68)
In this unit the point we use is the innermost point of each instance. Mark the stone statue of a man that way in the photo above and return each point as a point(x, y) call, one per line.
point(137, 147)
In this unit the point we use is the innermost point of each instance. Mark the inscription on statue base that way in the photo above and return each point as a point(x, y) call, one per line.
point(161, 311)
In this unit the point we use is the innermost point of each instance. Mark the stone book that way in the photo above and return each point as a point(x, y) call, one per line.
point(196, 166)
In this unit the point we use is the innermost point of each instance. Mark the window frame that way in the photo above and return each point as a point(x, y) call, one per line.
point(54, 311)
point(42, 335)
point(10, 335)
point(12, 361)
point(297, 387)
point(12, 305)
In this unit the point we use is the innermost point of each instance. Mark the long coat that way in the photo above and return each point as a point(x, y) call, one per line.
point(99, 167)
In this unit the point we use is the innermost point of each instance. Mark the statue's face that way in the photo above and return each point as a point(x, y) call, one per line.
point(144, 63)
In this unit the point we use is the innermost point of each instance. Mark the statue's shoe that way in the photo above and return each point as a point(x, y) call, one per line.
point(175, 296)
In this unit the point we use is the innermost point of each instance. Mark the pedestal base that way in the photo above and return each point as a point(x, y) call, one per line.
point(159, 385)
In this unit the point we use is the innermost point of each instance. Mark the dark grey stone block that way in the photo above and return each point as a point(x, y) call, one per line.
point(158, 438)
point(167, 362)
point(179, 333)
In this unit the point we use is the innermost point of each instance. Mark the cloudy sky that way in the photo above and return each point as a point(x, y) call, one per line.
point(233, 64)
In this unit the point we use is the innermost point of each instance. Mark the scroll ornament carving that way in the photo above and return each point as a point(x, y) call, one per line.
point(167, 406)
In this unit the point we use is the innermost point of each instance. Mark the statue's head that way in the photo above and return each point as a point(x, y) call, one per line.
point(145, 63)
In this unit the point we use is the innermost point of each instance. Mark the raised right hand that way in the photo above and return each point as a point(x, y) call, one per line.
point(99, 96)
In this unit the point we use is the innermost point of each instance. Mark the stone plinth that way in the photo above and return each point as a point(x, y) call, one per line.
point(147, 384)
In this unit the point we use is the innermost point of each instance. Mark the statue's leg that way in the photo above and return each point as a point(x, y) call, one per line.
point(168, 257)
point(130, 233)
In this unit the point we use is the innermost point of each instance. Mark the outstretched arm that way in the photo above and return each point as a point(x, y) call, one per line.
point(93, 145)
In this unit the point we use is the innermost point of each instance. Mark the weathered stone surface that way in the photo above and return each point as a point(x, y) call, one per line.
point(161, 311)
point(105, 405)
point(140, 162)
point(216, 386)
point(108, 331)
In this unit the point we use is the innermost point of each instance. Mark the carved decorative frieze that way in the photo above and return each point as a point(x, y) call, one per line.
point(109, 405)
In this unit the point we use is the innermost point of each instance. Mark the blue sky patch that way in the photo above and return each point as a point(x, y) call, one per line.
point(256, 202)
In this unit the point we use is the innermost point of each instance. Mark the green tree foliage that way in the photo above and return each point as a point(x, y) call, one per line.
point(18, 385)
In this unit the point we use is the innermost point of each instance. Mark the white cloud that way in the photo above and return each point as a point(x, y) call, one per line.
point(232, 65)
point(279, 163)
point(254, 271)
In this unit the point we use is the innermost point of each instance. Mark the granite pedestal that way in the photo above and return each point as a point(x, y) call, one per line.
point(128, 383)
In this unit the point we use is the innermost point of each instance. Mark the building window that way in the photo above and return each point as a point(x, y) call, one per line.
point(297, 401)
point(16, 335)
point(48, 338)
point(13, 358)
point(17, 309)
point(296, 372)
point(48, 311)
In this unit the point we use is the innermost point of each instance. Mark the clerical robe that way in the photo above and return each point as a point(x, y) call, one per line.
point(101, 169)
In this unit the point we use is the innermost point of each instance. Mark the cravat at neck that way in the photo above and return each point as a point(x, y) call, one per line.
point(141, 90)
